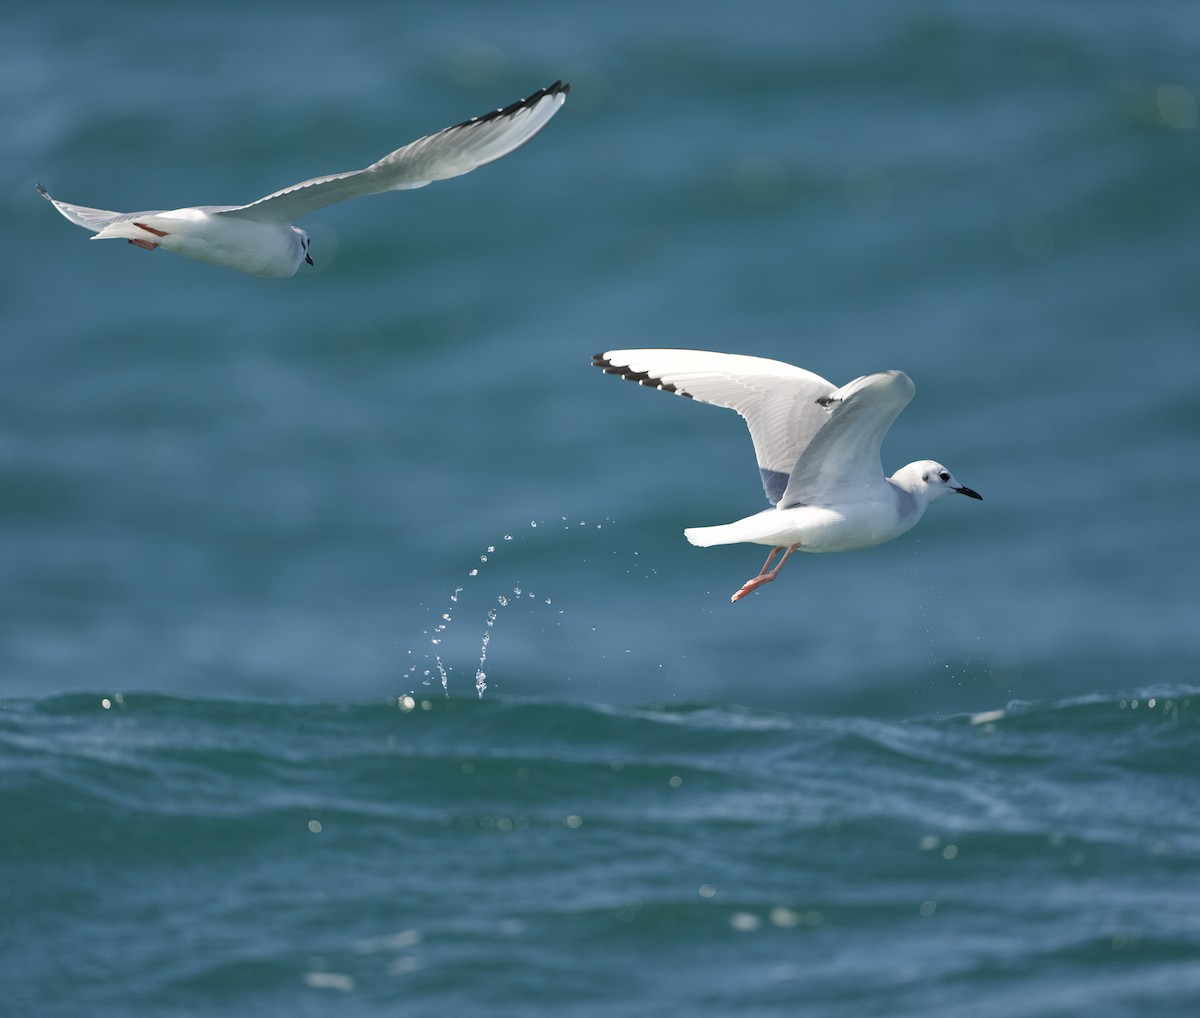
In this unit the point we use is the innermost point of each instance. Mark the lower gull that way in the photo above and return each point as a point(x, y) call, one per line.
point(817, 447)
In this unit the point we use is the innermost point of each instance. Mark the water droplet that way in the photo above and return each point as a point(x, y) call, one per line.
point(473, 572)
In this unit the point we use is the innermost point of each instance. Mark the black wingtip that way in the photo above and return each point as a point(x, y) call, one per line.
point(558, 88)
point(43, 192)
point(641, 377)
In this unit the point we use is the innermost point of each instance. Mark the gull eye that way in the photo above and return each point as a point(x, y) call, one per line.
point(944, 476)
point(925, 478)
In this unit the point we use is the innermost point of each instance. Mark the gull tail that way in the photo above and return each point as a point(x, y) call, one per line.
point(706, 537)
point(140, 231)
point(761, 528)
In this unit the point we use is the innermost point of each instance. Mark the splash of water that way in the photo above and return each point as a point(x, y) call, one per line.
point(440, 671)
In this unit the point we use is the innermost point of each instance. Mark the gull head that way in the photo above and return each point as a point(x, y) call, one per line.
point(303, 238)
point(930, 480)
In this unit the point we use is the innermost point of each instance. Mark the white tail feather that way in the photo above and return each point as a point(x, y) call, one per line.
point(706, 537)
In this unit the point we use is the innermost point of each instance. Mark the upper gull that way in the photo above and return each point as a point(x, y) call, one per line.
point(260, 239)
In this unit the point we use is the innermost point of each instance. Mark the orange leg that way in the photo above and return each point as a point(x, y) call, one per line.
point(147, 245)
point(764, 576)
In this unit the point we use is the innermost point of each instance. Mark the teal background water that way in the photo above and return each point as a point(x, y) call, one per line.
point(256, 537)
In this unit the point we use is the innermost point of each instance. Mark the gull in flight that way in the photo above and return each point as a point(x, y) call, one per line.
point(817, 447)
point(260, 239)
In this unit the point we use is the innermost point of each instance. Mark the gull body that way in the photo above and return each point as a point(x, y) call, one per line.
point(259, 238)
point(817, 445)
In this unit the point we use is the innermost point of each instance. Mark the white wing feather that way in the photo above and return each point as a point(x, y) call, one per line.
point(449, 153)
point(777, 400)
point(842, 460)
point(90, 219)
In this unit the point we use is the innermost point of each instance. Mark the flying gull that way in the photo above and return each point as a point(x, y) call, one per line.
point(260, 239)
point(817, 447)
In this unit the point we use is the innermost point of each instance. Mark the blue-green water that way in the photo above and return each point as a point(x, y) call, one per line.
point(253, 517)
point(451, 856)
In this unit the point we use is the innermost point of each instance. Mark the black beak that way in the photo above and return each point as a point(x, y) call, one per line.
point(969, 493)
point(308, 258)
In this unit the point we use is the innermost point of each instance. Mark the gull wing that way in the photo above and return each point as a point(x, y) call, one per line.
point(842, 461)
point(449, 153)
point(778, 401)
point(90, 219)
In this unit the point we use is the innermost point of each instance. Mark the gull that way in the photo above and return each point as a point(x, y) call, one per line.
point(817, 447)
point(260, 239)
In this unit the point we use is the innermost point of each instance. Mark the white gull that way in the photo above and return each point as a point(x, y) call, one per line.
point(260, 239)
point(817, 447)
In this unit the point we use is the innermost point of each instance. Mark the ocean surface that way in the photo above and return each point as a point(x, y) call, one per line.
point(352, 660)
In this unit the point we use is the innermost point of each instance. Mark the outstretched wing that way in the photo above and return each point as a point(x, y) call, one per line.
point(778, 401)
point(842, 460)
point(90, 219)
point(449, 153)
